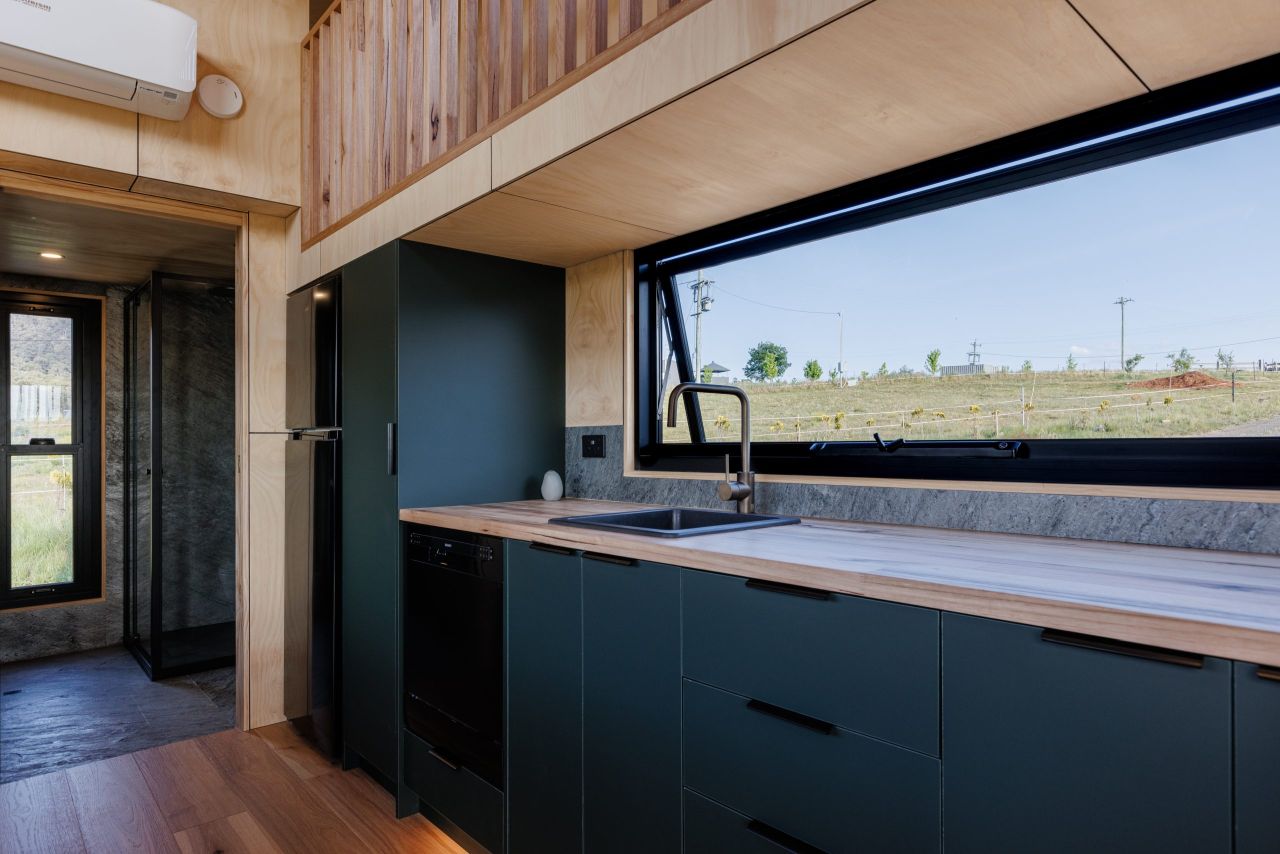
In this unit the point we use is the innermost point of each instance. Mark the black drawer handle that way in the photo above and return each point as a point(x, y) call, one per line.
point(791, 717)
point(620, 561)
point(443, 760)
point(789, 589)
point(391, 448)
point(1136, 650)
point(1270, 673)
point(782, 840)
point(555, 550)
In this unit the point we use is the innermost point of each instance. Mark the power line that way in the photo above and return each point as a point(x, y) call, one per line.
point(725, 290)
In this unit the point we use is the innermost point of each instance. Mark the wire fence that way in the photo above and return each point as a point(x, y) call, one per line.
point(1034, 403)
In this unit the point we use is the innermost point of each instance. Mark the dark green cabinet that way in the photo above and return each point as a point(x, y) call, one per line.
point(465, 804)
point(370, 540)
point(544, 700)
point(867, 666)
point(631, 706)
point(1257, 695)
point(1052, 746)
point(652, 708)
point(593, 703)
point(712, 828)
point(826, 786)
point(452, 393)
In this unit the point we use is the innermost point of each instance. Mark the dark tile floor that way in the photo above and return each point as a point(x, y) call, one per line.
point(71, 709)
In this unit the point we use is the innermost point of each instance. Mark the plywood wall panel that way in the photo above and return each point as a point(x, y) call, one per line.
point(713, 39)
point(980, 70)
point(69, 133)
point(265, 588)
point(595, 312)
point(272, 273)
point(512, 227)
point(256, 154)
point(1176, 40)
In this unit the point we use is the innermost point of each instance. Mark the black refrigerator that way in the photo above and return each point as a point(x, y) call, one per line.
point(313, 659)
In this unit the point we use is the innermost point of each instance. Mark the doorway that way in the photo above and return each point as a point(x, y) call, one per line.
point(150, 397)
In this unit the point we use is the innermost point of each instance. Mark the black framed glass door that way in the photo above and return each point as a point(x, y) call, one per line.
point(50, 449)
point(180, 475)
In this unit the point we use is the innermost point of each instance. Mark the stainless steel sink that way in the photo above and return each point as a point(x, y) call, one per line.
point(676, 521)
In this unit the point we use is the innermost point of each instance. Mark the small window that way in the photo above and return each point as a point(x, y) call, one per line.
point(50, 466)
point(1093, 302)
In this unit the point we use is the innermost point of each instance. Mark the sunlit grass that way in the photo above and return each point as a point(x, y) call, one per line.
point(1057, 405)
point(42, 526)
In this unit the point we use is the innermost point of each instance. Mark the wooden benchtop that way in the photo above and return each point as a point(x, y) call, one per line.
point(1210, 602)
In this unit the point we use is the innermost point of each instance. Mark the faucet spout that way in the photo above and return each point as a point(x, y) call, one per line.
point(741, 490)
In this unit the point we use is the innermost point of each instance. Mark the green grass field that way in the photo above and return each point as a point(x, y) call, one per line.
point(42, 520)
point(1057, 405)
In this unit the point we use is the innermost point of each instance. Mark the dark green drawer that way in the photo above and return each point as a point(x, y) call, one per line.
point(1059, 744)
point(460, 796)
point(1257, 710)
point(710, 828)
point(832, 788)
point(867, 666)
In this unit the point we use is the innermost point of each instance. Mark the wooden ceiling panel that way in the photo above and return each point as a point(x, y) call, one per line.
point(1175, 40)
point(514, 227)
point(103, 245)
point(894, 83)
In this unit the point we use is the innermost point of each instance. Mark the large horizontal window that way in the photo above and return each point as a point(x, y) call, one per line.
point(1093, 302)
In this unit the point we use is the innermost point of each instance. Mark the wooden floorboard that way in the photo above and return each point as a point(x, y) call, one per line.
point(38, 814)
point(234, 834)
point(186, 786)
point(302, 759)
point(290, 817)
point(369, 810)
point(262, 793)
point(116, 809)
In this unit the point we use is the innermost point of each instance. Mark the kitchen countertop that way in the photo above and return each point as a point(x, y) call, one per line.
point(1215, 603)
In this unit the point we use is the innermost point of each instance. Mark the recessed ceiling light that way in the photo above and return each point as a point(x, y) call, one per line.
point(52, 256)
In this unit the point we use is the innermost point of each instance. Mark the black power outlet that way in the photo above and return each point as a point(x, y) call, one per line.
point(593, 446)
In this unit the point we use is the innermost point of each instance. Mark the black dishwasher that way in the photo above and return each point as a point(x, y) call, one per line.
point(453, 640)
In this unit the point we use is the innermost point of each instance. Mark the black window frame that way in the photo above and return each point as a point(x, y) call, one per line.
point(85, 448)
point(983, 171)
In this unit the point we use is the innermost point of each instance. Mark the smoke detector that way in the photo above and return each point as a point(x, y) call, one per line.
point(220, 96)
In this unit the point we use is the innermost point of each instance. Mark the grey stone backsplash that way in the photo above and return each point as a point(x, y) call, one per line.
point(1229, 525)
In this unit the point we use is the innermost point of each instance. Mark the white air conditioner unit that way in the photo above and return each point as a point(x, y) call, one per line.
point(138, 55)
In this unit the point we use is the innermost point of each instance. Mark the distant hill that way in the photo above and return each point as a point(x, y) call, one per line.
point(41, 350)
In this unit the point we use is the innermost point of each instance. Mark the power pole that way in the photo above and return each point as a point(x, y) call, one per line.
point(1122, 302)
point(840, 360)
point(974, 354)
point(701, 305)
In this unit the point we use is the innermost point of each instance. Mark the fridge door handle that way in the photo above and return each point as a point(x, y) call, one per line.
point(317, 435)
point(391, 448)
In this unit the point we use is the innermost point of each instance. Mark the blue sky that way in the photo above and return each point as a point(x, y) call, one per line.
point(1192, 237)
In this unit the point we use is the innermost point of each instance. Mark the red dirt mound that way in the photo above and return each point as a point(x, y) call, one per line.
point(1191, 379)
